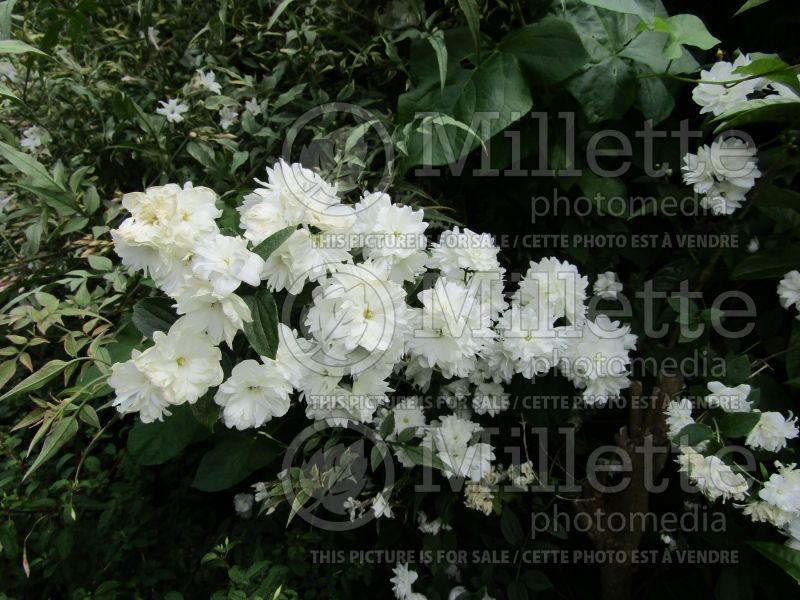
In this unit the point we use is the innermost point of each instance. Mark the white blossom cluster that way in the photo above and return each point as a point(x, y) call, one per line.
point(778, 499)
point(722, 90)
point(360, 331)
point(722, 174)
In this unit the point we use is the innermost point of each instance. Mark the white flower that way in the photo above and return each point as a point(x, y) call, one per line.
point(697, 170)
point(718, 98)
point(723, 173)
point(208, 81)
point(554, 288)
point(381, 506)
point(408, 415)
point(225, 262)
point(152, 36)
point(402, 581)
point(357, 308)
point(456, 592)
point(299, 259)
point(172, 110)
point(33, 139)
point(431, 527)
point(713, 477)
point(782, 489)
point(753, 245)
point(165, 222)
point(218, 317)
point(228, 115)
point(723, 198)
point(733, 160)
point(597, 360)
point(772, 431)
point(729, 399)
point(489, 398)
point(789, 289)
point(135, 393)
point(679, 415)
point(764, 512)
point(253, 394)
point(182, 364)
point(392, 234)
point(607, 285)
point(253, 107)
point(243, 504)
point(294, 195)
point(464, 250)
point(451, 328)
point(354, 507)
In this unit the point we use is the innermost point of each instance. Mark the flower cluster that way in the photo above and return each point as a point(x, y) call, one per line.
point(722, 174)
point(360, 332)
point(776, 501)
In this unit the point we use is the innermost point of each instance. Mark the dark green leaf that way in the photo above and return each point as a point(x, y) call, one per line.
point(738, 424)
point(155, 443)
point(262, 331)
point(153, 314)
point(269, 245)
point(233, 458)
point(510, 527)
point(550, 49)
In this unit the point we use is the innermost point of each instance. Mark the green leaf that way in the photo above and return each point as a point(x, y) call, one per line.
point(793, 353)
point(153, 314)
point(269, 245)
point(38, 379)
point(629, 7)
point(748, 5)
point(606, 90)
point(59, 434)
point(100, 263)
point(423, 456)
point(693, 434)
point(737, 370)
point(763, 110)
point(18, 47)
point(653, 98)
point(510, 527)
point(233, 458)
point(484, 98)
point(515, 591)
point(157, 442)
point(738, 424)
point(206, 411)
point(262, 331)
point(550, 49)
point(786, 558)
point(277, 13)
point(536, 580)
point(7, 370)
point(768, 263)
point(31, 167)
point(771, 67)
point(387, 425)
point(470, 10)
point(436, 41)
point(684, 30)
